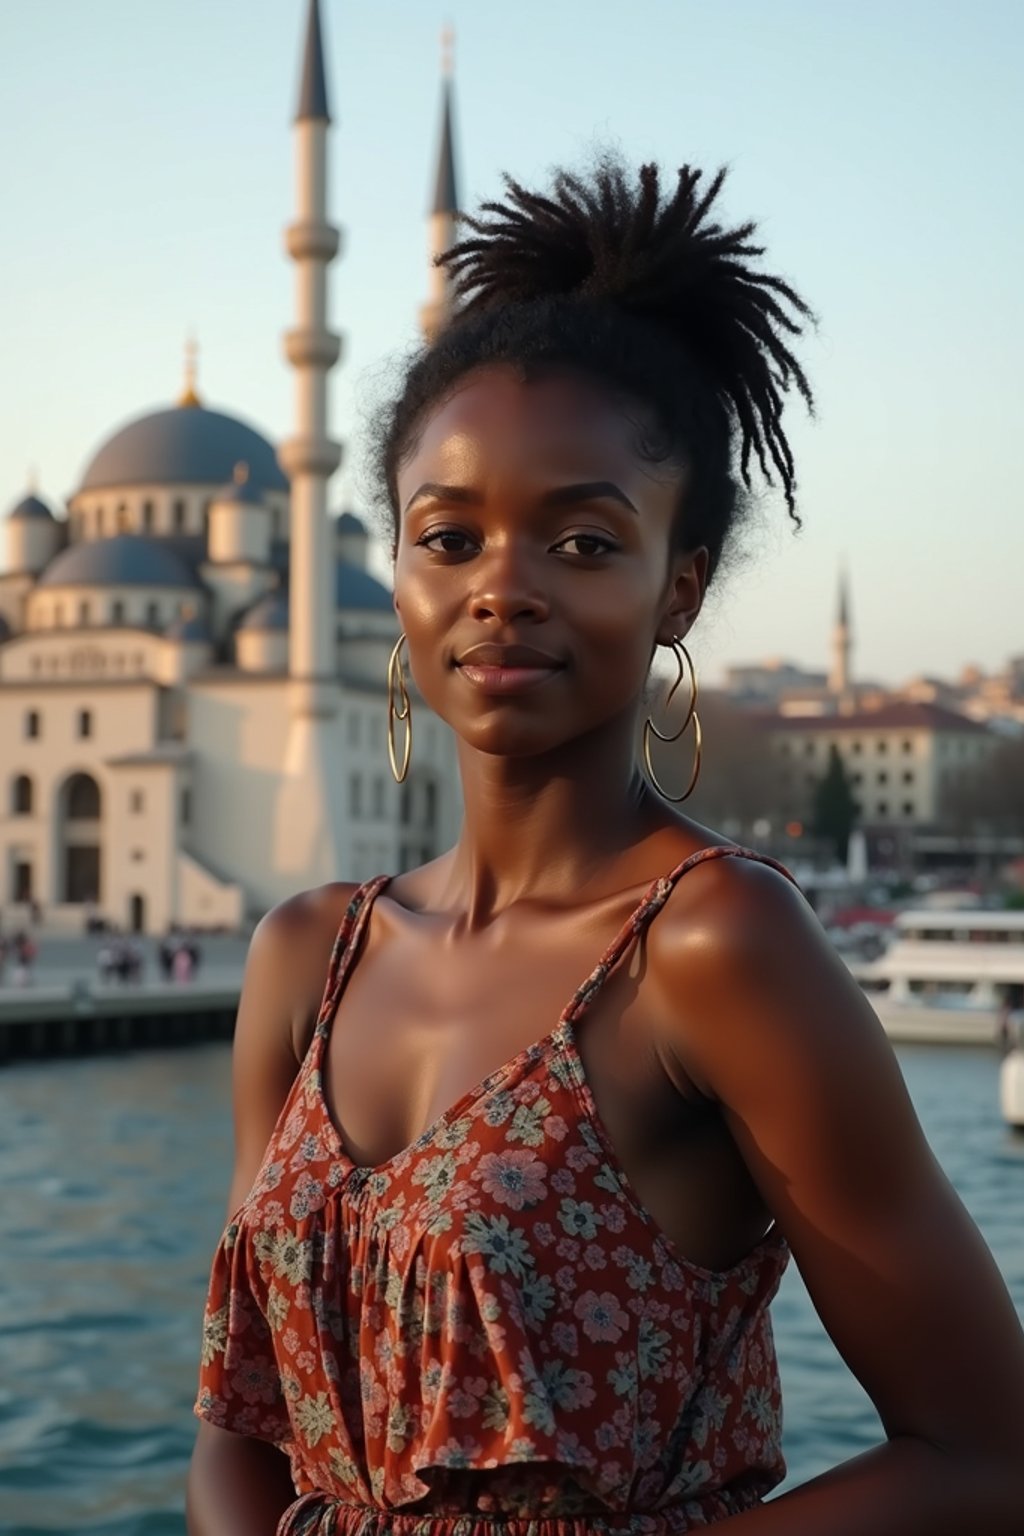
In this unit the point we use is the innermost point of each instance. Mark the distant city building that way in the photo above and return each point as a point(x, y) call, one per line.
point(899, 758)
point(193, 662)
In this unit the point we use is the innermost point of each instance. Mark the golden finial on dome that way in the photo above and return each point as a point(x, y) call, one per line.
point(447, 50)
point(188, 395)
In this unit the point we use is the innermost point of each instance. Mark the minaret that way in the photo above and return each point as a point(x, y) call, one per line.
point(309, 826)
point(441, 221)
point(842, 642)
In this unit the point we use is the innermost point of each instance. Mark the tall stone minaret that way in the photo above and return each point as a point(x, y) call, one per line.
point(842, 644)
point(441, 232)
point(309, 835)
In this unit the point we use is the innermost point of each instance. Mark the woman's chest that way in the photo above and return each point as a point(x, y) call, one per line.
point(420, 1025)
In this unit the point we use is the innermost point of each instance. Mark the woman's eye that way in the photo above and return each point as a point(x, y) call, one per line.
point(586, 544)
point(449, 540)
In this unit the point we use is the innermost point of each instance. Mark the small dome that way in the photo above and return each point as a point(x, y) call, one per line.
point(125, 560)
point(190, 626)
point(185, 445)
point(347, 522)
point(241, 488)
point(31, 507)
point(356, 588)
point(270, 613)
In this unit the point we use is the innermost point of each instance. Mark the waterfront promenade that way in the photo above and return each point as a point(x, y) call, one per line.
point(68, 1008)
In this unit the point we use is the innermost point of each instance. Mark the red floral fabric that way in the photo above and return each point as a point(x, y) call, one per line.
point(489, 1326)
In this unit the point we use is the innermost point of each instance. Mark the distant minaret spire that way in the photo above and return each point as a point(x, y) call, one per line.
point(842, 642)
point(189, 395)
point(309, 833)
point(445, 204)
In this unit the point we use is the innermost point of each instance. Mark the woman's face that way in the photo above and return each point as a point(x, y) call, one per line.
point(533, 574)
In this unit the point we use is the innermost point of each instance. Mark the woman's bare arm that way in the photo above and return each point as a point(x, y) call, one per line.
point(239, 1485)
point(773, 1026)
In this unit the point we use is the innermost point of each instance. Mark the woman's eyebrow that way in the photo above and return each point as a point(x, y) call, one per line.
point(460, 493)
point(591, 490)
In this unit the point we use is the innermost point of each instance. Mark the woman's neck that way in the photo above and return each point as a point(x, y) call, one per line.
point(541, 828)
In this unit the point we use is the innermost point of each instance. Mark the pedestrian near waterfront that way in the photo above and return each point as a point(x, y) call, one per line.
point(526, 1137)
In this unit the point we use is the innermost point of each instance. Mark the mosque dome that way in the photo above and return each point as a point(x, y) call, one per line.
point(241, 488)
point(356, 588)
point(125, 560)
point(30, 507)
point(190, 626)
point(270, 613)
point(347, 522)
point(184, 445)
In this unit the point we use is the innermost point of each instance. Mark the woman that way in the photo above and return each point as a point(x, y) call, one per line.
point(505, 1226)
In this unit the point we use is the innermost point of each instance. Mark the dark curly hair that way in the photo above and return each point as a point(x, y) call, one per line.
point(644, 293)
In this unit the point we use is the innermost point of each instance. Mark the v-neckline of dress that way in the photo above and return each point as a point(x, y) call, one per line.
point(561, 1037)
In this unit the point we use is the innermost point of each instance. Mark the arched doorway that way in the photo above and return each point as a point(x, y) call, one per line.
point(137, 913)
point(79, 834)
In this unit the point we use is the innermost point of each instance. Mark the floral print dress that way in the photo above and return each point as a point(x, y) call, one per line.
point(488, 1333)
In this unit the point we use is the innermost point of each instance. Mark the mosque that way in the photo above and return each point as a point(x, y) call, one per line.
point(193, 661)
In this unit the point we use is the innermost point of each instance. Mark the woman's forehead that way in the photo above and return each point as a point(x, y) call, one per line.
point(494, 415)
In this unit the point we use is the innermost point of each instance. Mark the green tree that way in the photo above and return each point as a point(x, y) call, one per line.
point(835, 809)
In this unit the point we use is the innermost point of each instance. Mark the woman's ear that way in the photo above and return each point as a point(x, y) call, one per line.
point(686, 596)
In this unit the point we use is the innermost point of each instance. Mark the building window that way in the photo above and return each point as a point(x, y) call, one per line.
point(355, 721)
point(117, 611)
point(883, 807)
point(376, 733)
point(379, 793)
point(908, 747)
point(152, 614)
point(84, 722)
point(355, 795)
point(21, 885)
point(122, 518)
point(882, 777)
point(186, 807)
point(137, 801)
point(32, 723)
point(882, 745)
point(908, 808)
point(858, 778)
point(808, 748)
point(21, 797)
point(137, 855)
point(147, 516)
point(857, 748)
point(179, 516)
point(908, 776)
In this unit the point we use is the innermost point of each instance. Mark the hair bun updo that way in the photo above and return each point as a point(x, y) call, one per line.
point(649, 294)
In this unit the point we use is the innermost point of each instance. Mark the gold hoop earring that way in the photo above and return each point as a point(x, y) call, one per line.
point(400, 711)
point(650, 729)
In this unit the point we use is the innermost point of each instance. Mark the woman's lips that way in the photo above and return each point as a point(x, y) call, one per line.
point(491, 679)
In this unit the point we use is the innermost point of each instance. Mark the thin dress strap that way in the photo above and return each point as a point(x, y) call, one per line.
point(346, 944)
point(649, 907)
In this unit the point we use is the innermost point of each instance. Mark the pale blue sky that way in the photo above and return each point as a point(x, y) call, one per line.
point(147, 175)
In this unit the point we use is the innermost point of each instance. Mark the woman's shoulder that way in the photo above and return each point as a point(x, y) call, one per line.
point(302, 929)
point(738, 949)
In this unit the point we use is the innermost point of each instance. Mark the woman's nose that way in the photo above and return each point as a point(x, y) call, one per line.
point(507, 589)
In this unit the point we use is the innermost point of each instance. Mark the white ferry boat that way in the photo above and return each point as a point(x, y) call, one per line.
point(946, 975)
